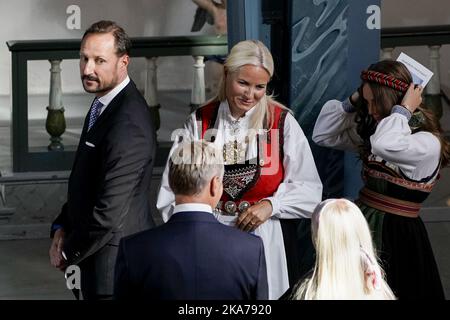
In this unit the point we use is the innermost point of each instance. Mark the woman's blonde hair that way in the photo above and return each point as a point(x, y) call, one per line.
point(251, 52)
point(346, 265)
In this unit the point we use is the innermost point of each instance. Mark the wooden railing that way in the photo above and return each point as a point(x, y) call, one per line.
point(56, 157)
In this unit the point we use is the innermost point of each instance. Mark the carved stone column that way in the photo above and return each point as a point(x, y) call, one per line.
point(6, 212)
point(55, 123)
point(386, 53)
point(433, 88)
point(198, 85)
point(151, 90)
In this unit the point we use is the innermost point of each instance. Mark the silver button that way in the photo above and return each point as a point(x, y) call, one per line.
point(244, 205)
point(230, 207)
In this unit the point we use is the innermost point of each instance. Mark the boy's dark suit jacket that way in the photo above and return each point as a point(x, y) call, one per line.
point(192, 256)
point(108, 191)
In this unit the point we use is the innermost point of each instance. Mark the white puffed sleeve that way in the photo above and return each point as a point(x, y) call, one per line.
point(336, 128)
point(417, 155)
point(301, 189)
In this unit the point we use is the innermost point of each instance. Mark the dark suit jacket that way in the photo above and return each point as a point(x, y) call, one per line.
point(192, 256)
point(108, 192)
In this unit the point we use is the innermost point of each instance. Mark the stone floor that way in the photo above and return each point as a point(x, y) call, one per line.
point(25, 272)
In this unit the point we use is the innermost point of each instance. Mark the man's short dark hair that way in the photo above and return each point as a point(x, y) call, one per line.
point(122, 41)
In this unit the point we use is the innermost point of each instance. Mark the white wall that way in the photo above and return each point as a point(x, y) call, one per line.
point(46, 19)
point(407, 13)
point(397, 13)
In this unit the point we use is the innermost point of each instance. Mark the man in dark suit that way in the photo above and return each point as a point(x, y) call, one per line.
point(108, 191)
point(192, 256)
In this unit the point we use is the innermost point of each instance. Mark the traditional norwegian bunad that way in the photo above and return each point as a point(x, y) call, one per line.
point(399, 173)
point(274, 164)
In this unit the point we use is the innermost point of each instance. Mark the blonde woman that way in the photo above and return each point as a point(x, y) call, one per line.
point(271, 184)
point(346, 265)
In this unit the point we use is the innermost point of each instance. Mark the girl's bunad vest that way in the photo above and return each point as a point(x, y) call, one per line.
point(390, 191)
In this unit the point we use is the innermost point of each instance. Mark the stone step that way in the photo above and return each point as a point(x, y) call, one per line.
point(31, 201)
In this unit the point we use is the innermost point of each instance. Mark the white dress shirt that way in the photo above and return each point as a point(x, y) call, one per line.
point(107, 98)
point(192, 207)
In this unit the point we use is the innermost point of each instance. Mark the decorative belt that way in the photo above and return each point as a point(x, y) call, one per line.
point(232, 208)
point(388, 204)
point(412, 185)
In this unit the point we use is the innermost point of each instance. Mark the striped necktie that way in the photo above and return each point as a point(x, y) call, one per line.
point(95, 112)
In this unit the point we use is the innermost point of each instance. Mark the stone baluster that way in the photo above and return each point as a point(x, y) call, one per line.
point(433, 88)
point(6, 212)
point(386, 53)
point(198, 85)
point(151, 90)
point(55, 123)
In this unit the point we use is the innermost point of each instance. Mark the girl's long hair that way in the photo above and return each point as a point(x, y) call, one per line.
point(344, 252)
point(385, 98)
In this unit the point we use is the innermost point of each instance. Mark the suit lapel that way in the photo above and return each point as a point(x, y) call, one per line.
point(82, 138)
point(112, 107)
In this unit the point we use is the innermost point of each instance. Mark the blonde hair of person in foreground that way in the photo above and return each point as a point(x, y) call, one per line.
point(346, 265)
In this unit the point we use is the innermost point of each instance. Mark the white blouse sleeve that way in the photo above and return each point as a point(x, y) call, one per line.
point(417, 155)
point(301, 189)
point(336, 127)
point(166, 198)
